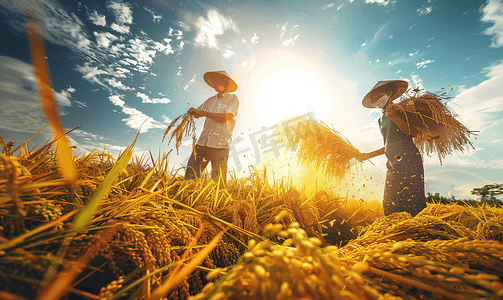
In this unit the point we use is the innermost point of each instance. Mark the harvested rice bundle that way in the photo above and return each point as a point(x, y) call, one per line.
point(433, 126)
point(400, 227)
point(452, 269)
point(187, 127)
point(469, 216)
point(320, 145)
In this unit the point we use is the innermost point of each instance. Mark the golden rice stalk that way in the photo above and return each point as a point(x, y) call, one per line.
point(48, 102)
point(320, 145)
point(187, 127)
point(433, 126)
point(244, 215)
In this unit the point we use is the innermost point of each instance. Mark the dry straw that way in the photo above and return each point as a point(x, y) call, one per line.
point(318, 144)
point(433, 126)
point(187, 127)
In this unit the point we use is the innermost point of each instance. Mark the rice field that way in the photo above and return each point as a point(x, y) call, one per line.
point(127, 230)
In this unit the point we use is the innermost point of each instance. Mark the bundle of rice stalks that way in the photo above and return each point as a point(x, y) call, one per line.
point(187, 127)
point(433, 126)
point(400, 226)
point(320, 145)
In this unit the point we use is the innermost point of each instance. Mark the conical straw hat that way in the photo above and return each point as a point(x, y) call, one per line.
point(378, 95)
point(209, 78)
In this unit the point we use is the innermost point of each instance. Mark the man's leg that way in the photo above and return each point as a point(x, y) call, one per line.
point(197, 163)
point(219, 159)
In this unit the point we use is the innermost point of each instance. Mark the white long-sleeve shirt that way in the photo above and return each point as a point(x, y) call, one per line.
point(215, 134)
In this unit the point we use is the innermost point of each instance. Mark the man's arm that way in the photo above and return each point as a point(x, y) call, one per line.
point(220, 118)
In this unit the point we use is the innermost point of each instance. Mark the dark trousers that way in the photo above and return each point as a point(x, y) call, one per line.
point(199, 159)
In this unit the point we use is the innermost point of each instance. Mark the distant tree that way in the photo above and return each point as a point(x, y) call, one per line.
point(490, 190)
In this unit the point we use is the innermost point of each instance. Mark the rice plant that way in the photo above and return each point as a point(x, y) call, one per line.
point(127, 232)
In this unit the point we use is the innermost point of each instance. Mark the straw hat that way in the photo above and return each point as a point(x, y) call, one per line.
point(378, 95)
point(210, 77)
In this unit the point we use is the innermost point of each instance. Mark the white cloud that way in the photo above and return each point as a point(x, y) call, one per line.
point(178, 34)
point(380, 34)
point(399, 71)
point(122, 11)
point(228, 53)
point(493, 13)
point(60, 27)
point(166, 119)
point(417, 81)
point(424, 10)
point(146, 99)
point(157, 19)
point(290, 41)
point(20, 104)
point(90, 73)
point(254, 39)
point(21, 115)
point(120, 28)
point(282, 31)
point(380, 2)
point(161, 100)
point(104, 38)
point(184, 26)
point(116, 100)
point(478, 106)
point(137, 118)
point(117, 84)
point(63, 97)
point(97, 19)
point(363, 45)
point(80, 104)
point(141, 52)
point(33, 7)
point(166, 49)
point(424, 63)
point(179, 72)
point(212, 26)
point(328, 6)
point(191, 81)
point(86, 142)
point(67, 29)
point(128, 62)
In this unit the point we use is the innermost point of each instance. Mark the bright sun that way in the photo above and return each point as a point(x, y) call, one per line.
point(286, 83)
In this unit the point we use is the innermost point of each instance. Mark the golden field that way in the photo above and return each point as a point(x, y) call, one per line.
point(127, 230)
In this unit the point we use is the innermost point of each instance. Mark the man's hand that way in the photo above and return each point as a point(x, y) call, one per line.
point(194, 112)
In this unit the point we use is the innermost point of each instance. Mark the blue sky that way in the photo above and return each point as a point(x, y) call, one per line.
point(115, 64)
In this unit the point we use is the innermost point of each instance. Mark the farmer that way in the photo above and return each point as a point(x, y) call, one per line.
point(404, 186)
point(220, 112)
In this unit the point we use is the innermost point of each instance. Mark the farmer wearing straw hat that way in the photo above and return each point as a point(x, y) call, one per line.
point(404, 186)
point(220, 112)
